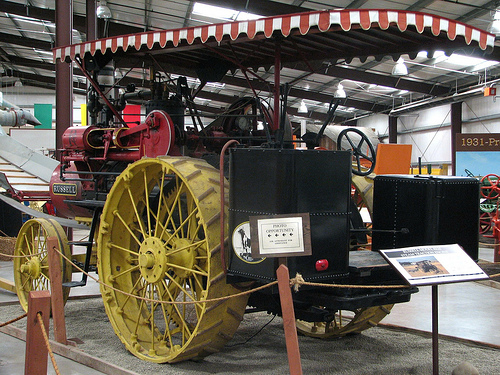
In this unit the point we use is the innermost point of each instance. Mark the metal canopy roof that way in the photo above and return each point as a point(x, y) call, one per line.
point(308, 36)
point(361, 60)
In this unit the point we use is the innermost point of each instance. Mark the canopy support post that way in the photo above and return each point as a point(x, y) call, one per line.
point(277, 79)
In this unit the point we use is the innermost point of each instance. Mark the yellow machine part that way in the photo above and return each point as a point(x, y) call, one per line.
point(31, 268)
point(364, 189)
point(345, 322)
point(159, 240)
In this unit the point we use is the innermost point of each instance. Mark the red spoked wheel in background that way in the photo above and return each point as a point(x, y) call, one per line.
point(489, 186)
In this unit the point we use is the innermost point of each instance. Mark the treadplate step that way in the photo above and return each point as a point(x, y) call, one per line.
point(80, 243)
point(72, 284)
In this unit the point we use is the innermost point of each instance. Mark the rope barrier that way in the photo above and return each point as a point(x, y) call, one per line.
point(489, 244)
point(21, 256)
point(298, 281)
point(161, 301)
point(47, 343)
point(13, 320)
point(295, 283)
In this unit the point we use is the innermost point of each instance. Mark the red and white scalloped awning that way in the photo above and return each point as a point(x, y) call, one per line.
point(419, 29)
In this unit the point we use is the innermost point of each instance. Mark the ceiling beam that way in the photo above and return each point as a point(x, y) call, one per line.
point(356, 4)
point(419, 5)
point(234, 81)
point(47, 82)
point(478, 11)
point(399, 83)
point(306, 94)
point(50, 16)
point(25, 42)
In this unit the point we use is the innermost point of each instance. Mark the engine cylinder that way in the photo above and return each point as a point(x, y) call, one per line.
point(172, 106)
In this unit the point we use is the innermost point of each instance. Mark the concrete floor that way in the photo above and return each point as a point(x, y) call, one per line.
point(466, 310)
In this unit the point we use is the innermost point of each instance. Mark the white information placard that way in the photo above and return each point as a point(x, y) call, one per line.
point(434, 264)
point(280, 235)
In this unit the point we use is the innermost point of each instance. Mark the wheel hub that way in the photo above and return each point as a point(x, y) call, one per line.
point(32, 267)
point(152, 259)
point(183, 256)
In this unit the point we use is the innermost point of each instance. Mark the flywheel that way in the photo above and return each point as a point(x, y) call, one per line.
point(159, 242)
point(31, 266)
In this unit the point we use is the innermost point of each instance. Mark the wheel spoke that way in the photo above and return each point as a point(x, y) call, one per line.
point(131, 292)
point(166, 317)
point(193, 298)
point(180, 322)
point(170, 212)
point(117, 214)
point(350, 142)
point(176, 232)
point(360, 143)
point(25, 283)
point(27, 243)
point(138, 217)
point(193, 246)
point(146, 193)
point(125, 272)
point(151, 315)
point(124, 249)
point(160, 200)
point(139, 312)
point(177, 266)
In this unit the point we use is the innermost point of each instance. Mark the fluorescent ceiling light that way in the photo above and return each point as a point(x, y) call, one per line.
point(463, 60)
point(221, 13)
point(484, 65)
point(459, 60)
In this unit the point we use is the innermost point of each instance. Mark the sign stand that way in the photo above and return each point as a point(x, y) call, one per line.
point(434, 265)
point(435, 334)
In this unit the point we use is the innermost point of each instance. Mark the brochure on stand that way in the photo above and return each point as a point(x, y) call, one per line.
point(434, 264)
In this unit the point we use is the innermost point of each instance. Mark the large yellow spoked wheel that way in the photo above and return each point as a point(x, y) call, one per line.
point(345, 322)
point(31, 268)
point(159, 239)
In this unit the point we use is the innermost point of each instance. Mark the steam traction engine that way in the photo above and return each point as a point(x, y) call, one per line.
point(155, 215)
point(168, 227)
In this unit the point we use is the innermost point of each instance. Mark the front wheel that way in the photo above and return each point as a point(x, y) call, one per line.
point(31, 265)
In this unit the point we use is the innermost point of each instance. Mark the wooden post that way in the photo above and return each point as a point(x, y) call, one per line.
point(35, 362)
point(292, 342)
point(57, 300)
